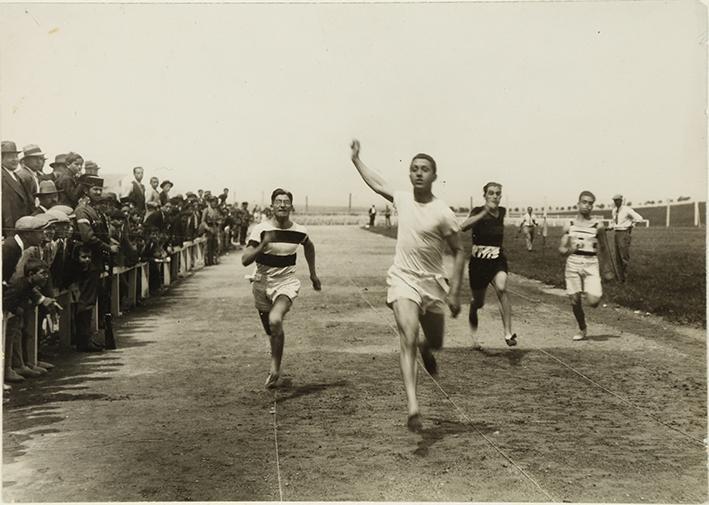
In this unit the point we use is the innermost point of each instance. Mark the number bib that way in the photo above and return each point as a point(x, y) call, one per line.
point(487, 252)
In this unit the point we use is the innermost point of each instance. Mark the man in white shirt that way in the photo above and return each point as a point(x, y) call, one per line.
point(529, 222)
point(623, 220)
point(417, 286)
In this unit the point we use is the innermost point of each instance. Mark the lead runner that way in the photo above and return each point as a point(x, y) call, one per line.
point(417, 289)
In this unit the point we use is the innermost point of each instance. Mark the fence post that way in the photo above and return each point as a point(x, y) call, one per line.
point(34, 345)
point(667, 216)
point(697, 222)
point(145, 280)
point(133, 286)
point(65, 317)
point(115, 293)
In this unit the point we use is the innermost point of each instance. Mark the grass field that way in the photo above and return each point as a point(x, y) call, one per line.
point(667, 274)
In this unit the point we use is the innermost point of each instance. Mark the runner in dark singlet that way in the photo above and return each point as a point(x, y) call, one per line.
point(488, 264)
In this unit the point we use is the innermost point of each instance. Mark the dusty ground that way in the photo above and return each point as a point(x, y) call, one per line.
point(179, 411)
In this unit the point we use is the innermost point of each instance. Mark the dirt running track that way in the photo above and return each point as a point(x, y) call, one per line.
point(179, 412)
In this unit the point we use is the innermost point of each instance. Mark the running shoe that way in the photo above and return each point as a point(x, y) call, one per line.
point(511, 341)
point(581, 335)
point(413, 423)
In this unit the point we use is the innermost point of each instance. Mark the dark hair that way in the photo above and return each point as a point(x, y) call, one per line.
point(424, 156)
point(72, 157)
point(281, 191)
point(491, 183)
point(137, 168)
point(587, 193)
point(35, 265)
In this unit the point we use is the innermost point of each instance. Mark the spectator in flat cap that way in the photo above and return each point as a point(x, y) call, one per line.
point(66, 179)
point(48, 197)
point(15, 200)
point(28, 234)
point(165, 186)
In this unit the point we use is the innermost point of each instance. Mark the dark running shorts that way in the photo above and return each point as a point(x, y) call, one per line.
point(482, 271)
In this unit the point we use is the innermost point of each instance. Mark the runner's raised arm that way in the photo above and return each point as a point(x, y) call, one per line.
point(373, 179)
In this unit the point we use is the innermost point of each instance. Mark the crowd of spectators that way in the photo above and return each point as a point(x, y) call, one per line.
point(62, 233)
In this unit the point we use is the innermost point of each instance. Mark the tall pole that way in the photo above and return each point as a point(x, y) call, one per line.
point(349, 204)
point(306, 203)
point(471, 203)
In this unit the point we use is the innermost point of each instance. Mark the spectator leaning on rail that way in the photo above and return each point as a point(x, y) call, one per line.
point(28, 233)
point(94, 235)
point(623, 218)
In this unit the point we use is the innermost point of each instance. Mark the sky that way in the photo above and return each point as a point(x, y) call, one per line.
point(547, 98)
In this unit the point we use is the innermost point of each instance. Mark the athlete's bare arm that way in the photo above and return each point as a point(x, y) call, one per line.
point(371, 177)
point(565, 247)
point(309, 248)
point(453, 298)
point(472, 219)
point(251, 252)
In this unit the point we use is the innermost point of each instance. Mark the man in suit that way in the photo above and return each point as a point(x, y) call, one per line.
point(137, 192)
point(30, 171)
point(15, 200)
point(48, 197)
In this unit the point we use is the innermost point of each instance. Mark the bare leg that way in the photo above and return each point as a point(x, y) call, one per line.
point(500, 285)
point(275, 320)
point(406, 313)
point(433, 325)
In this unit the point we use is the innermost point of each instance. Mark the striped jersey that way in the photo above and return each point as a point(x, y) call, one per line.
point(584, 233)
point(278, 259)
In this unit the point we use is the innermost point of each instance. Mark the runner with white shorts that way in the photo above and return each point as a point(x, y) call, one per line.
point(418, 291)
point(273, 244)
point(580, 244)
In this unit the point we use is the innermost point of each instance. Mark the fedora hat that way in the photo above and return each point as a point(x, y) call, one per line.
point(47, 188)
point(617, 196)
point(59, 159)
point(8, 146)
point(91, 168)
point(32, 150)
point(165, 182)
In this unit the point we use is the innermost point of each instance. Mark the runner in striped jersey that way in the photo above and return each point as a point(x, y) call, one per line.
point(272, 245)
point(580, 244)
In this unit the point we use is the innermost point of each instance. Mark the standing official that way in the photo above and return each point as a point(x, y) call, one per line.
point(527, 226)
point(622, 222)
point(66, 178)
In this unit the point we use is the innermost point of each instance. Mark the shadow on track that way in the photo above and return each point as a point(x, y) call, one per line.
point(288, 392)
point(445, 427)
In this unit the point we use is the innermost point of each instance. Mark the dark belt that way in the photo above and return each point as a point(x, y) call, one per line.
point(584, 253)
